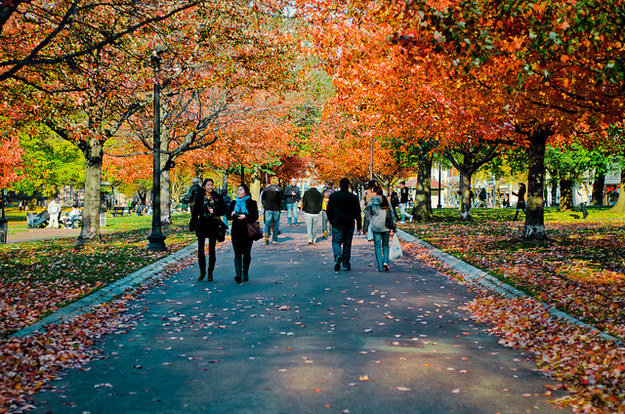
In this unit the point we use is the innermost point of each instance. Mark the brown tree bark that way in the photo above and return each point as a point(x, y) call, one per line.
point(598, 188)
point(93, 149)
point(535, 213)
point(465, 195)
point(566, 194)
point(422, 208)
point(619, 207)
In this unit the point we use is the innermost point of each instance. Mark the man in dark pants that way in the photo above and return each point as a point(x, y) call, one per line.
point(343, 208)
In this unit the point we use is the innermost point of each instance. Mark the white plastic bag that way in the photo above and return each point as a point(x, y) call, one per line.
point(369, 233)
point(394, 248)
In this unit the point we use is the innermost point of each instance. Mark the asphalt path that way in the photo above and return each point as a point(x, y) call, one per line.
point(302, 338)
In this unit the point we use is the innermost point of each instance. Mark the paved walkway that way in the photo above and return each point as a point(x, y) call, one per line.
point(41, 234)
point(301, 338)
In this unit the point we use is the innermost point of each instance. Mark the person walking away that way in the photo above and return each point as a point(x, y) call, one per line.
point(227, 200)
point(207, 212)
point(520, 204)
point(54, 209)
point(193, 194)
point(382, 222)
point(482, 196)
point(242, 210)
point(312, 203)
point(327, 191)
point(404, 197)
point(583, 194)
point(394, 202)
point(273, 200)
point(343, 210)
point(366, 198)
point(292, 194)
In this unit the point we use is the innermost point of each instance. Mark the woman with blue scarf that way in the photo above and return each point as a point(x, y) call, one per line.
point(243, 210)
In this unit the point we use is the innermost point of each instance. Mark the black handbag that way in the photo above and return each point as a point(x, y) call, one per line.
point(254, 231)
point(221, 231)
point(389, 222)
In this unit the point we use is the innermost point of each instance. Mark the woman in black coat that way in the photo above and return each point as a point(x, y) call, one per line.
point(207, 212)
point(243, 210)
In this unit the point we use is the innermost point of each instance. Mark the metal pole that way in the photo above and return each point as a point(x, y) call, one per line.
point(4, 223)
point(371, 159)
point(156, 238)
point(440, 205)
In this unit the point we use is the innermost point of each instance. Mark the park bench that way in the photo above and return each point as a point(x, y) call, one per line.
point(35, 221)
point(122, 211)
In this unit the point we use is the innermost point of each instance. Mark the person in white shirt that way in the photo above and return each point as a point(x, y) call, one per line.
point(583, 194)
point(54, 209)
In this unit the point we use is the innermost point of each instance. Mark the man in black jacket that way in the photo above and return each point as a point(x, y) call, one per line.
point(343, 209)
point(273, 200)
point(311, 205)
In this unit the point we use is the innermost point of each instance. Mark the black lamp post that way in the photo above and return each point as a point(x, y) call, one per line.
point(4, 223)
point(156, 238)
point(439, 187)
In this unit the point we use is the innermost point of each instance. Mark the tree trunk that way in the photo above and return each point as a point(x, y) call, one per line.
point(554, 193)
point(93, 149)
point(165, 196)
point(619, 207)
point(598, 188)
point(465, 195)
point(535, 213)
point(566, 194)
point(422, 208)
point(224, 180)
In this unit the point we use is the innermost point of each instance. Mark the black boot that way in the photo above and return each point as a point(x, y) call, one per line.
point(211, 267)
point(237, 269)
point(246, 268)
point(202, 263)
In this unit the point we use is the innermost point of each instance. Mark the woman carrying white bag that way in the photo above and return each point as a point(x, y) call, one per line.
point(381, 223)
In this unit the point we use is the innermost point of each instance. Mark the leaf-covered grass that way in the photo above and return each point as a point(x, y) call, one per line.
point(40, 277)
point(580, 270)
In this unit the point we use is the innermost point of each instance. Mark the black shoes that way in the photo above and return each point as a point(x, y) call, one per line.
point(246, 278)
point(337, 265)
point(237, 279)
point(202, 274)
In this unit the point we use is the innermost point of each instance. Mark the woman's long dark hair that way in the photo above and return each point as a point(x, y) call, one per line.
point(380, 192)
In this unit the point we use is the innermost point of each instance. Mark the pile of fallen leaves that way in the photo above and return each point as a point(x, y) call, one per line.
point(40, 277)
point(581, 270)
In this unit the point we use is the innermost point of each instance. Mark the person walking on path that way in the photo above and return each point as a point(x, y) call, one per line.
point(583, 194)
point(292, 194)
point(273, 200)
point(242, 210)
point(382, 222)
point(327, 192)
point(227, 200)
point(54, 209)
point(366, 198)
point(520, 204)
point(404, 195)
point(207, 212)
point(343, 210)
point(312, 203)
point(394, 202)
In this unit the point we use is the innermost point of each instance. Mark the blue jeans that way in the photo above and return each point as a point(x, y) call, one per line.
point(380, 242)
point(311, 226)
point(402, 211)
point(325, 223)
point(272, 218)
point(342, 237)
point(291, 213)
